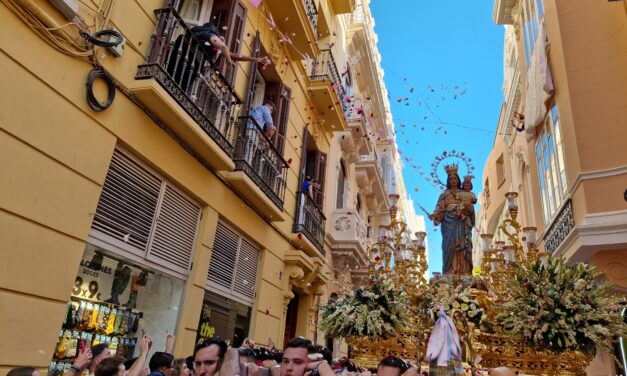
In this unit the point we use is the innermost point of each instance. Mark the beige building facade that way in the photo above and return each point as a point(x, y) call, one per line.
point(169, 210)
point(561, 133)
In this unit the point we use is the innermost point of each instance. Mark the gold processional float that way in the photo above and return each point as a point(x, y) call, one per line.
point(480, 306)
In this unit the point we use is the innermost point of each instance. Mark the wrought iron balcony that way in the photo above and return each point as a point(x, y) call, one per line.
point(329, 95)
point(310, 221)
point(257, 156)
point(298, 21)
point(562, 225)
point(312, 14)
point(182, 65)
point(324, 68)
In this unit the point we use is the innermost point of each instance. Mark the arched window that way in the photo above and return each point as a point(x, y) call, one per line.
point(341, 186)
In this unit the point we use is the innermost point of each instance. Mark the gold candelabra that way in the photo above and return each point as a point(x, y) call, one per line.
point(500, 260)
point(410, 259)
point(402, 260)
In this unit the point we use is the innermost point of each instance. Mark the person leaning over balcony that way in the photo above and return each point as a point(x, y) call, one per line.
point(263, 117)
point(213, 45)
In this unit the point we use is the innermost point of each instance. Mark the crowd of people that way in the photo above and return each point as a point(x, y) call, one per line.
point(214, 357)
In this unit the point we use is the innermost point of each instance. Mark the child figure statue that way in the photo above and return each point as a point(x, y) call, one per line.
point(467, 199)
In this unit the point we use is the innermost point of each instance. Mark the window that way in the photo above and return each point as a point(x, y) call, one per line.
point(316, 167)
point(486, 192)
point(530, 16)
point(341, 187)
point(551, 169)
point(383, 162)
point(132, 198)
point(280, 94)
point(195, 12)
point(267, 85)
point(500, 171)
point(233, 266)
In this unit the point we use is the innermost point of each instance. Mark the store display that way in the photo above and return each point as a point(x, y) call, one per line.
point(88, 324)
point(114, 298)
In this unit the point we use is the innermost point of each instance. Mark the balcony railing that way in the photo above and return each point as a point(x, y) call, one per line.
point(257, 157)
point(324, 68)
point(312, 14)
point(560, 228)
point(182, 64)
point(310, 221)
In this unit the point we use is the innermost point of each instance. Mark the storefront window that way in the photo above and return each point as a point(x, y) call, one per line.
point(224, 318)
point(115, 300)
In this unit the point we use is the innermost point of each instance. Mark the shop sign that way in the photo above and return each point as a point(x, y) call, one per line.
point(101, 279)
point(205, 329)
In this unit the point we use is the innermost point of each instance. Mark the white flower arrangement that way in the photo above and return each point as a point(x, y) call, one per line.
point(376, 310)
point(564, 307)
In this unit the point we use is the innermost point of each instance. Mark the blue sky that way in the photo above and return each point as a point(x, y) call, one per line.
point(451, 54)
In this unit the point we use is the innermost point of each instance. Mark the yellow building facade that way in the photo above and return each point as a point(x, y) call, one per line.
point(168, 210)
point(561, 133)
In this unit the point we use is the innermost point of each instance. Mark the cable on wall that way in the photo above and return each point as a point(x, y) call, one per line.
point(94, 103)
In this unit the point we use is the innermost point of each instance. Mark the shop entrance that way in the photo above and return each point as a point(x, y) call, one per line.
point(291, 319)
point(224, 318)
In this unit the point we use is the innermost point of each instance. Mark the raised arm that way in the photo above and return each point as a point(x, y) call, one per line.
point(138, 366)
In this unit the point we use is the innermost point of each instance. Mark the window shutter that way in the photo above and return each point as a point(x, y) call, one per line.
point(234, 265)
point(246, 270)
point(127, 205)
point(142, 213)
point(175, 231)
point(303, 157)
point(252, 76)
point(223, 258)
point(280, 94)
point(230, 18)
point(321, 167)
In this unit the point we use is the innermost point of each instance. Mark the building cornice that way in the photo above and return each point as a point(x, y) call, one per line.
point(598, 174)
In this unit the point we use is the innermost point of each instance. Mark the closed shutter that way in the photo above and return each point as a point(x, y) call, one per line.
point(142, 213)
point(175, 231)
point(223, 258)
point(127, 205)
point(246, 271)
point(280, 94)
point(234, 265)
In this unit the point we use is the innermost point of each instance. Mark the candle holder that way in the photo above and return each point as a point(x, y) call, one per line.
point(512, 204)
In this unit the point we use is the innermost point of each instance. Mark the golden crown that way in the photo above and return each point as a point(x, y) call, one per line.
point(468, 178)
point(451, 168)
